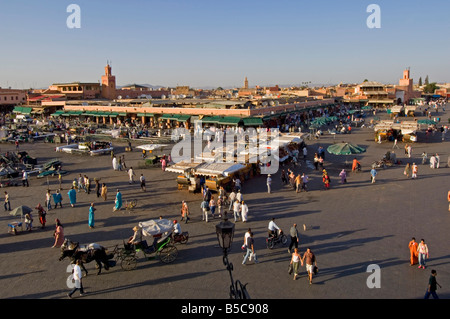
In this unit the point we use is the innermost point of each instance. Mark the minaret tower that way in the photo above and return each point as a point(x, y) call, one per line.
point(108, 84)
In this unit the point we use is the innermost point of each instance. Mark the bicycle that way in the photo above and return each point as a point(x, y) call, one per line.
point(130, 205)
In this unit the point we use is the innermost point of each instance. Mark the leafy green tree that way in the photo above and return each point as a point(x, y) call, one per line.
point(420, 81)
point(430, 88)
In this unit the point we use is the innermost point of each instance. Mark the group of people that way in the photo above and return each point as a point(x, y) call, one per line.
point(298, 182)
point(419, 254)
point(235, 204)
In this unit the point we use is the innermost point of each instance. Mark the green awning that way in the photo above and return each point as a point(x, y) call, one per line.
point(183, 118)
point(230, 120)
point(145, 114)
point(57, 113)
point(168, 117)
point(211, 119)
point(253, 121)
point(23, 110)
point(122, 114)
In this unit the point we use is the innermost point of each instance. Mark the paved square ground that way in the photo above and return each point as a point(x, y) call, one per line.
point(349, 227)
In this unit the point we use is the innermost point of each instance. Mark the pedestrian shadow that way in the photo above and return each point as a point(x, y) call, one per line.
point(334, 273)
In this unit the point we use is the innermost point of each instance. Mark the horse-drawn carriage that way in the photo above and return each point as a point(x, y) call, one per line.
point(163, 246)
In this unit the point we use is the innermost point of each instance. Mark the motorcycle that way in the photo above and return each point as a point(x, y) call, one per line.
point(273, 240)
point(181, 238)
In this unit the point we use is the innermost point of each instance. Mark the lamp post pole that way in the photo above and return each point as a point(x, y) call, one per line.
point(225, 232)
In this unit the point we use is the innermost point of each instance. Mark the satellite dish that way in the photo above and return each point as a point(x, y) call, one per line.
point(119, 97)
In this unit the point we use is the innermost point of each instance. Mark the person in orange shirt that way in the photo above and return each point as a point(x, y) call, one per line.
point(356, 164)
point(448, 197)
point(413, 246)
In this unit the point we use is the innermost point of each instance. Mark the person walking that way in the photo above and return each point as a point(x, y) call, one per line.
point(118, 201)
point(87, 184)
point(343, 176)
point(395, 144)
point(57, 199)
point(373, 174)
point(142, 180)
point(432, 286)
point(97, 187)
point(123, 161)
point(77, 277)
point(72, 197)
point(220, 204)
point(204, 207)
point(296, 260)
point(407, 171)
point(42, 215)
point(48, 200)
point(131, 175)
point(269, 183)
point(413, 247)
point(298, 183)
point(250, 249)
point(236, 210)
point(60, 179)
point(414, 170)
point(422, 251)
point(231, 198)
point(212, 206)
point(25, 178)
point(58, 234)
point(305, 180)
point(326, 179)
point(185, 212)
point(80, 183)
point(293, 232)
point(244, 212)
point(7, 202)
point(91, 220)
point(311, 261)
point(448, 198)
point(283, 177)
point(104, 192)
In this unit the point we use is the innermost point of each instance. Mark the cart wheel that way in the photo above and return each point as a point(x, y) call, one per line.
point(269, 243)
point(129, 263)
point(168, 254)
point(185, 239)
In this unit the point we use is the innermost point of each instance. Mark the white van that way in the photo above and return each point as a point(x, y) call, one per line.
point(20, 118)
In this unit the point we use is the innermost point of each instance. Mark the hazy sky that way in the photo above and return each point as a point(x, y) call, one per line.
point(219, 43)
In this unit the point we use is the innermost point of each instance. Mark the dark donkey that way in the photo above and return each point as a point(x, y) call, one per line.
point(86, 254)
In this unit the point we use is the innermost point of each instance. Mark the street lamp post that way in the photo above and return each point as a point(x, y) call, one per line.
point(225, 233)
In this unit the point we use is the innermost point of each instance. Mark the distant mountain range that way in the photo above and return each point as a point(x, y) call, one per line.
point(150, 86)
point(156, 87)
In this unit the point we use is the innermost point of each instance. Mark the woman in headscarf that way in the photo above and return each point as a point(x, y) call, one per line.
point(343, 176)
point(118, 201)
point(91, 216)
point(58, 234)
point(72, 196)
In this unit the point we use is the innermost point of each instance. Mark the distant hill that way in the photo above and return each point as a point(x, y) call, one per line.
point(150, 86)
